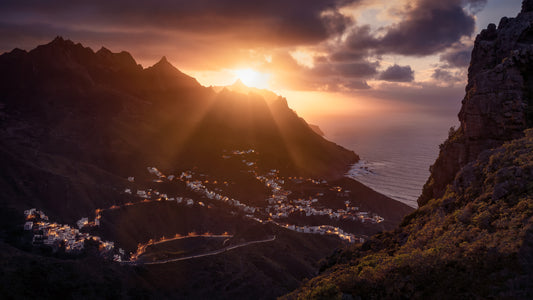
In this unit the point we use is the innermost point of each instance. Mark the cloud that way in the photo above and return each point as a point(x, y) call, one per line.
point(356, 85)
point(457, 56)
point(427, 27)
point(361, 39)
point(256, 22)
point(475, 6)
point(360, 69)
point(444, 77)
point(398, 73)
point(325, 75)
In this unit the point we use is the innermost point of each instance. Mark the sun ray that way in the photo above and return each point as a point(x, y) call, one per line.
point(253, 78)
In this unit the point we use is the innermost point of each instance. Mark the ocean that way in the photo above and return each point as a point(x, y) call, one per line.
point(396, 152)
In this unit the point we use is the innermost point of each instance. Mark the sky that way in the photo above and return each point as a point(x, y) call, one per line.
point(330, 58)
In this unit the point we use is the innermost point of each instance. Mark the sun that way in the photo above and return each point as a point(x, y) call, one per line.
point(252, 78)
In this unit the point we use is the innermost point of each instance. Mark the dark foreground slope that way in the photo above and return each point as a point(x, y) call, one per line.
point(472, 236)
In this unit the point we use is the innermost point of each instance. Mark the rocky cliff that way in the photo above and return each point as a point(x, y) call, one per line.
point(498, 104)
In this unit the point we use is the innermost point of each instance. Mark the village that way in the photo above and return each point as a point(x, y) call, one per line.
point(64, 237)
point(278, 210)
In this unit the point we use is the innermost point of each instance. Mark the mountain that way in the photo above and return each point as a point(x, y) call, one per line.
point(120, 181)
point(317, 129)
point(63, 104)
point(472, 236)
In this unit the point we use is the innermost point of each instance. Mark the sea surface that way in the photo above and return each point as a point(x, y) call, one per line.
point(396, 153)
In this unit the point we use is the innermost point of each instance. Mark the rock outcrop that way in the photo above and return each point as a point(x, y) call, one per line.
point(498, 105)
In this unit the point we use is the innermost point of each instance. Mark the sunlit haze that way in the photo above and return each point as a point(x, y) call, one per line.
point(253, 78)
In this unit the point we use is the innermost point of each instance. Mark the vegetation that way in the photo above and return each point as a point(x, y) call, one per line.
point(474, 242)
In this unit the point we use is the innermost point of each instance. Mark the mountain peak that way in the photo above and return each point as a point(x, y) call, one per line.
point(59, 41)
point(239, 84)
point(164, 64)
point(104, 51)
point(527, 6)
point(165, 69)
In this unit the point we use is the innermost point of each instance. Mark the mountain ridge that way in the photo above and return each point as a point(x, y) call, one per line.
point(64, 102)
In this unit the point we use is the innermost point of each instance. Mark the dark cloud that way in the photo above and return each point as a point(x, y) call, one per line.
point(475, 6)
point(356, 85)
point(347, 55)
point(398, 73)
point(325, 75)
point(335, 22)
point(428, 30)
point(329, 75)
point(272, 21)
point(448, 78)
point(442, 75)
point(361, 39)
point(457, 56)
point(361, 69)
point(428, 27)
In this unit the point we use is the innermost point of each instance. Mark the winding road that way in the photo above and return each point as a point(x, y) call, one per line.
point(216, 252)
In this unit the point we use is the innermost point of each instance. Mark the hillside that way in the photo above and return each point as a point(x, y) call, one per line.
point(472, 236)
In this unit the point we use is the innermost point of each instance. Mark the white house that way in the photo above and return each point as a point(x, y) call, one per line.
point(82, 222)
point(28, 226)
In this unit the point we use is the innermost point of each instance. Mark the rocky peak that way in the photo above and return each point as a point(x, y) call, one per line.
point(498, 105)
point(60, 44)
point(168, 75)
point(163, 60)
point(163, 65)
point(239, 84)
point(59, 40)
point(104, 52)
point(117, 61)
point(62, 54)
point(527, 6)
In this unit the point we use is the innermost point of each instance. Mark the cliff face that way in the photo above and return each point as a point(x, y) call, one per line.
point(498, 104)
